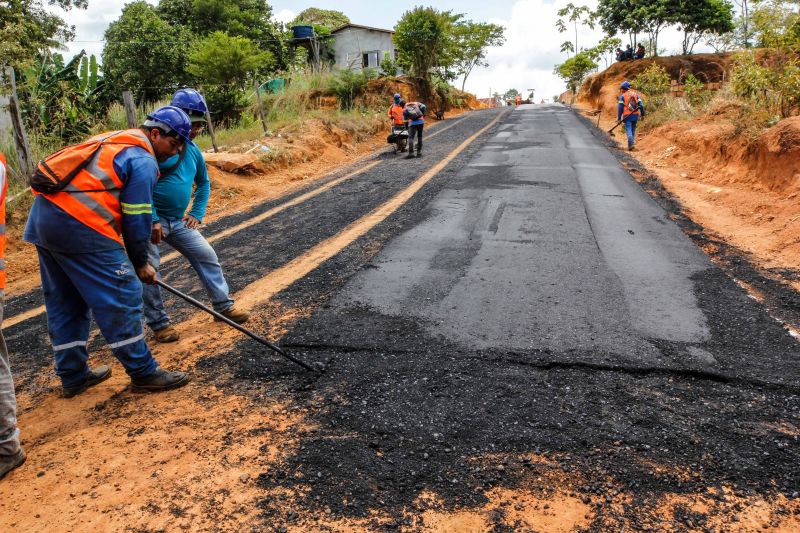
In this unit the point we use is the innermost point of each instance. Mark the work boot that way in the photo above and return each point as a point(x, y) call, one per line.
point(167, 334)
point(239, 316)
point(10, 462)
point(98, 375)
point(631, 148)
point(419, 153)
point(410, 154)
point(160, 380)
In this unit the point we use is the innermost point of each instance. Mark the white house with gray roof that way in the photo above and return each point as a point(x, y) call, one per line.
point(358, 47)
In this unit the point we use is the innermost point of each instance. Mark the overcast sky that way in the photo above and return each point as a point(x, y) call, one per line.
point(525, 62)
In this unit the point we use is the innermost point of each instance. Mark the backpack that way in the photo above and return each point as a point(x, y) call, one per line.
point(56, 171)
point(413, 111)
point(634, 103)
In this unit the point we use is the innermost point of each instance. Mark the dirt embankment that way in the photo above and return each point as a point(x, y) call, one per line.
point(742, 187)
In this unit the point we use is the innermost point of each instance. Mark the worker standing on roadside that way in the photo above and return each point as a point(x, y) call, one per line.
point(630, 109)
point(172, 224)
point(396, 113)
point(414, 112)
point(93, 204)
point(11, 453)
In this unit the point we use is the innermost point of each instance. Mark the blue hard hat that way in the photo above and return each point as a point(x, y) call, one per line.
point(189, 99)
point(625, 85)
point(397, 96)
point(174, 118)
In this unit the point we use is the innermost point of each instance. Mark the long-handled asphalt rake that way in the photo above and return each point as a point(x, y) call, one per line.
point(233, 324)
point(611, 131)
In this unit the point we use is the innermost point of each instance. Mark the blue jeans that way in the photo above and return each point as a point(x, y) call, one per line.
point(194, 247)
point(101, 284)
point(631, 122)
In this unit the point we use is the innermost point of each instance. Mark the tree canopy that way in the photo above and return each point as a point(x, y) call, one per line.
point(144, 53)
point(28, 29)
point(471, 41)
point(421, 39)
point(314, 16)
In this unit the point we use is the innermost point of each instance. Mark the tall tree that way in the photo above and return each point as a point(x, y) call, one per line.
point(144, 53)
point(577, 15)
point(224, 65)
point(27, 29)
point(471, 41)
point(775, 22)
point(421, 37)
point(620, 16)
point(701, 18)
point(744, 17)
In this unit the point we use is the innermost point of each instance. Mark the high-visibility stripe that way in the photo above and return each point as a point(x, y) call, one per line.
point(126, 342)
point(93, 205)
point(68, 345)
point(133, 206)
point(2, 229)
point(137, 211)
point(2, 264)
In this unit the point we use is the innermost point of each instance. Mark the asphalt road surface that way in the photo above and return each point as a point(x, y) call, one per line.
point(528, 300)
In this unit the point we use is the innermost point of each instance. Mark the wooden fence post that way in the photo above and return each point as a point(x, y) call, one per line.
point(23, 147)
point(261, 108)
point(211, 131)
point(130, 109)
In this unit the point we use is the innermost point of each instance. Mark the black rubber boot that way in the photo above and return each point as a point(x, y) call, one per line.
point(98, 375)
point(160, 380)
point(410, 154)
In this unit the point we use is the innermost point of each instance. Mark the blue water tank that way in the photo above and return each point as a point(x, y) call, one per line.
point(302, 32)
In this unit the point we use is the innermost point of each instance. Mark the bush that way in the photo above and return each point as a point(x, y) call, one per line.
point(389, 67)
point(694, 90)
point(748, 78)
point(654, 82)
point(348, 84)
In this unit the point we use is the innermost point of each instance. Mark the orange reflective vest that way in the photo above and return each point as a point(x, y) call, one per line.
point(396, 114)
point(626, 101)
point(3, 191)
point(92, 197)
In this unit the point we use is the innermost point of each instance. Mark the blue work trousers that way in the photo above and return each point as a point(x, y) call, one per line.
point(105, 284)
point(631, 123)
point(195, 248)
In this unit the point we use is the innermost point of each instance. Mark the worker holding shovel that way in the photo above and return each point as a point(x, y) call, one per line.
point(90, 221)
point(630, 109)
point(172, 224)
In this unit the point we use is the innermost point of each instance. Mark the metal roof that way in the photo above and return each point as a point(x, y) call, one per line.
point(340, 28)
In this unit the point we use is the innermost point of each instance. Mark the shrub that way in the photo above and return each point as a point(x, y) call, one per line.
point(348, 84)
point(654, 81)
point(389, 66)
point(694, 90)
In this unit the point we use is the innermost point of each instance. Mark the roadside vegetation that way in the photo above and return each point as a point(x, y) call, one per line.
point(228, 50)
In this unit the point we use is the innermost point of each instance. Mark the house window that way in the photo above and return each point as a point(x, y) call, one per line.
point(370, 59)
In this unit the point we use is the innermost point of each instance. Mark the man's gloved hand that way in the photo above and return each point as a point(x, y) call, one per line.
point(147, 274)
point(191, 222)
point(157, 233)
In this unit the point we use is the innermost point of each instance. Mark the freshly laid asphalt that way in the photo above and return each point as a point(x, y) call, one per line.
point(531, 299)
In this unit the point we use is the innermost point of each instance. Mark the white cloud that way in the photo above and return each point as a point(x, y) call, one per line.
point(532, 49)
point(285, 16)
point(91, 23)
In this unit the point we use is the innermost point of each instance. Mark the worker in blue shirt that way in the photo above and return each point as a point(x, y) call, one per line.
point(414, 113)
point(630, 109)
point(179, 229)
point(82, 232)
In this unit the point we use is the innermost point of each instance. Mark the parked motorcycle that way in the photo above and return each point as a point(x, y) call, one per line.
point(398, 137)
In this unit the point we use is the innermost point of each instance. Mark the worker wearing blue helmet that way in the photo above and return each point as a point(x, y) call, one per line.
point(630, 110)
point(92, 235)
point(176, 222)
